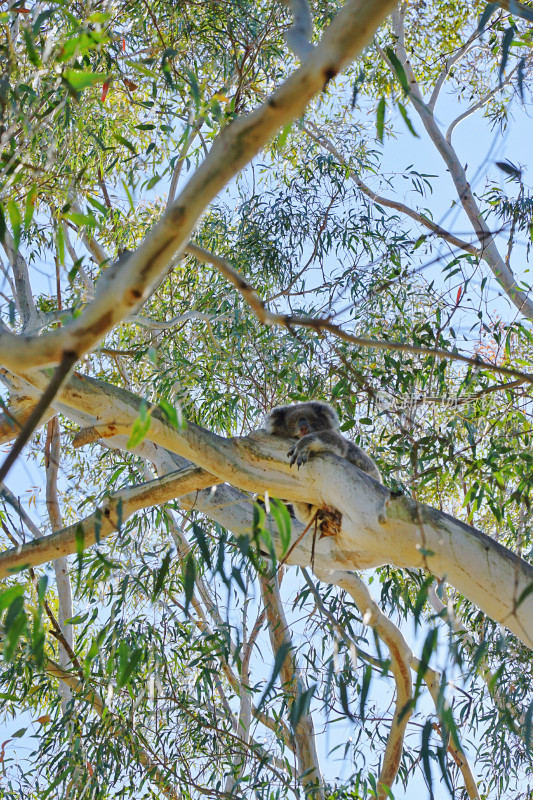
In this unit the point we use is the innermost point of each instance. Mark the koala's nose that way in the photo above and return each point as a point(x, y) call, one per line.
point(303, 427)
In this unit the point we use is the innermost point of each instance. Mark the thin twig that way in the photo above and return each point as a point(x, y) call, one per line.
point(321, 325)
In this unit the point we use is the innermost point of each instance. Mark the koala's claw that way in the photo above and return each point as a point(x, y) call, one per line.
point(298, 455)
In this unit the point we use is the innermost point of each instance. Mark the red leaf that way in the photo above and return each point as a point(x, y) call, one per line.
point(459, 293)
point(105, 89)
point(123, 45)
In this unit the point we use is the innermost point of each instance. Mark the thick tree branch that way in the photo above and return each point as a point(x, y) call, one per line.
point(13, 420)
point(402, 661)
point(106, 520)
point(377, 528)
point(61, 566)
point(38, 412)
point(399, 654)
point(299, 36)
point(31, 318)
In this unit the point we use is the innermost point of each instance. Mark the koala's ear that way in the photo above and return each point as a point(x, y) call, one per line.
point(275, 421)
point(326, 415)
point(332, 416)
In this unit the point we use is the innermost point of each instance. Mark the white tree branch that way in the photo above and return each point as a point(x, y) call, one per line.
point(116, 727)
point(450, 62)
point(30, 316)
point(476, 106)
point(299, 36)
point(377, 528)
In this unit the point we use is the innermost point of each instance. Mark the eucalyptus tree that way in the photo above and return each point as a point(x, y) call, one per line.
point(197, 225)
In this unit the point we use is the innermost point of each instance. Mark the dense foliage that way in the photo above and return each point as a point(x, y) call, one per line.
point(172, 683)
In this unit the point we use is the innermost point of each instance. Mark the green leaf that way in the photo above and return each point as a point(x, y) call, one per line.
point(365, 686)
point(77, 619)
point(126, 142)
point(86, 41)
point(30, 206)
point(16, 221)
point(33, 55)
point(42, 586)
point(140, 427)
point(189, 579)
point(343, 697)
point(426, 764)
point(60, 242)
point(173, 414)
point(507, 41)
point(80, 544)
point(127, 661)
point(142, 69)
point(15, 625)
point(78, 80)
point(398, 69)
point(2, 224)
point(81, 219)
point(202, 542)
point(153, 181)
point(300, 705)
point(195, 89)
point(407, 121)
point(527, 727)
point(510, 169)
point(282, 138)
point(237, 577)
point(357, 85)
point(284, 649)
point(282, 518)
point(98, 205)
point(380, 118)
point(7, 596)
point(162, 574)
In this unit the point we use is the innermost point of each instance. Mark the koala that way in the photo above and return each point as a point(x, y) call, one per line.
point(316, 427)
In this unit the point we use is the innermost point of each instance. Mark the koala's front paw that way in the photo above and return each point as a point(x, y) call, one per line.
point(299, 453)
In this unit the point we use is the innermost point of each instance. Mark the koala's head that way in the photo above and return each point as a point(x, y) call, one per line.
point(303, 418)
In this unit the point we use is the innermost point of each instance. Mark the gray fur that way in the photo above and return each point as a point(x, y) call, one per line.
point(283, 420)
point(321, 424)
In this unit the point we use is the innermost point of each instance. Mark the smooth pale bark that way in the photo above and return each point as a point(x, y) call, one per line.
point(12, 422)
point(103, 522)
point(377, 528)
